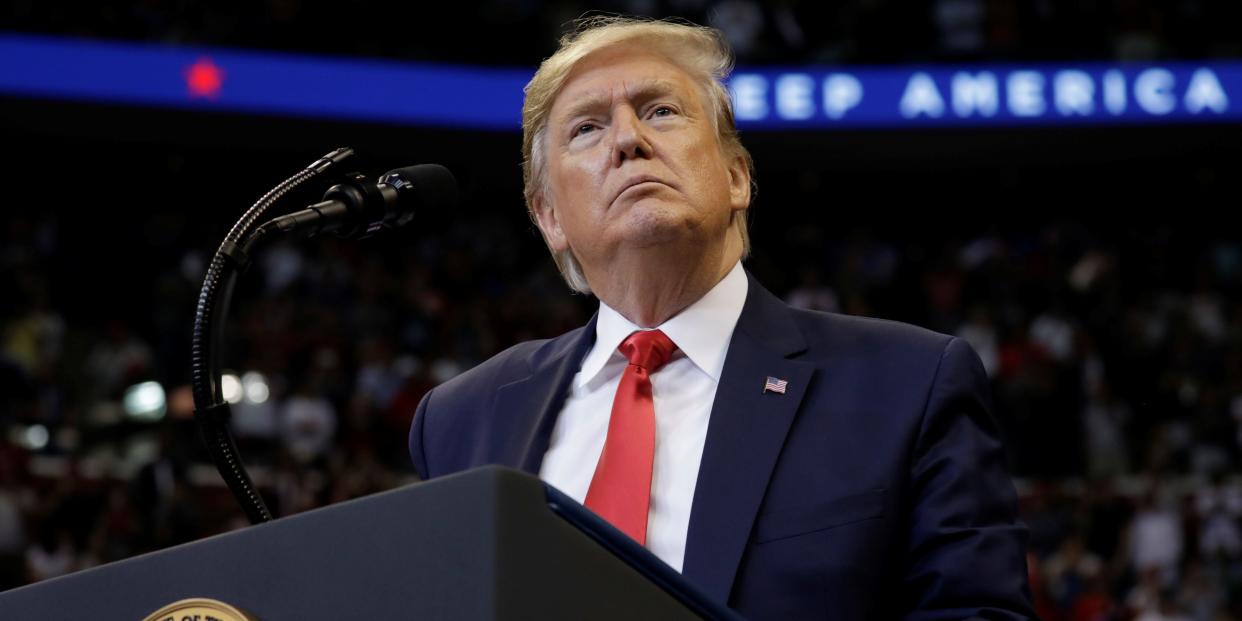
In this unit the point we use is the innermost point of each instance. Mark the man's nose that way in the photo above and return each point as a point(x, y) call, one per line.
point(629, 138)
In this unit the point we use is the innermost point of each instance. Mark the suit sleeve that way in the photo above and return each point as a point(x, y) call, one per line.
point(967, 549)
point(418, 453)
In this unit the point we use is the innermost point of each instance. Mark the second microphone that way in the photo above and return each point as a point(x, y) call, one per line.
point(357, 208)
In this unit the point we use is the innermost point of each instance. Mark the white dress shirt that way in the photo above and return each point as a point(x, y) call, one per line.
point(683, 391)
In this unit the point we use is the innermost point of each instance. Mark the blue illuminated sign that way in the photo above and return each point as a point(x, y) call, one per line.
point(490, 98)
point(988, 95)
point(265, 83)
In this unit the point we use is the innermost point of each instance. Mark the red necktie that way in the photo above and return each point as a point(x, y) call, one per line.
point(621, 488)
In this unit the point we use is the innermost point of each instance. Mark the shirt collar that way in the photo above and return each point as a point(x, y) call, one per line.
point(702, 331)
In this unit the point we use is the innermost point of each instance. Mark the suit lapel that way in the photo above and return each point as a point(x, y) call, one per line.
point(744, 438)
point(533, 403)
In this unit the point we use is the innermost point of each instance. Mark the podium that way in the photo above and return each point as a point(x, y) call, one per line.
point(489, 543)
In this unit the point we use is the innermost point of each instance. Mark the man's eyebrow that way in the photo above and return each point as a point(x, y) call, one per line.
point(641, 91)
point(586, 105)
point(651, 89)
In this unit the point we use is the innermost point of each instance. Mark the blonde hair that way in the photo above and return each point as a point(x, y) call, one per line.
point(701, 52)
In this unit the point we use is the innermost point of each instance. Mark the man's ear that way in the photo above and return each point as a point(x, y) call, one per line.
point(549, 223)
point(739, 184)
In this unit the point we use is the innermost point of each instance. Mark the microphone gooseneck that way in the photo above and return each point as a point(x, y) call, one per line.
point(353, 208)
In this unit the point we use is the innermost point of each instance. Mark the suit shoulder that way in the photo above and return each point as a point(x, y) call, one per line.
point(456, 421)
point(507, 366)
point(513, 364)
point(860, 335)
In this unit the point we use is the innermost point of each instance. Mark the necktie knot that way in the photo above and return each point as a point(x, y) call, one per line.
point(648, 349)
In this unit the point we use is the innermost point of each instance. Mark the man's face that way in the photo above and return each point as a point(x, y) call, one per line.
point(633, 161)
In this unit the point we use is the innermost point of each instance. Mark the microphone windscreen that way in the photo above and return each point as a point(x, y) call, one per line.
point(432, 185)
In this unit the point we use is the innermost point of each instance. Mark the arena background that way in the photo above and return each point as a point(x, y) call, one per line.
point(1095, 266)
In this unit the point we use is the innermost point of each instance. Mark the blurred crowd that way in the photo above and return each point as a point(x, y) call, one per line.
point(1116, 357)
point(523, 32)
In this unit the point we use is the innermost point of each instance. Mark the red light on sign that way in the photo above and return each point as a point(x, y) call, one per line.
point(204, 79)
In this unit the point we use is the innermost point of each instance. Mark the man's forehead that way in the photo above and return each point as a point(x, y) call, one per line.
point(604, 93)
point(601, 78)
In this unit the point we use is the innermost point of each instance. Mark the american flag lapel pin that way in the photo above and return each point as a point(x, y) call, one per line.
point(775, 385)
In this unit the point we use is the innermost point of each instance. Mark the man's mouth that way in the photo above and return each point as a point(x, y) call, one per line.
point(636, 181)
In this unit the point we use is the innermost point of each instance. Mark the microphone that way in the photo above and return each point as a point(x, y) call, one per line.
point(357, 209)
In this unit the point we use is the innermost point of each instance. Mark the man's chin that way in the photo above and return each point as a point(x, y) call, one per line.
point(655, 232)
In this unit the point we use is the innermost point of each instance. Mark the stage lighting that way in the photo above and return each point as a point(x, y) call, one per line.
point(231, 387)
point(254, 387)
point(35, 437)
point(145, 401)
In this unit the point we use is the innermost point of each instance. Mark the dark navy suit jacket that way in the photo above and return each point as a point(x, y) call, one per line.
point(874, 488)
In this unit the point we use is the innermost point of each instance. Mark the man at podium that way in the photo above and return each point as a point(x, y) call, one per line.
point(789, 463)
